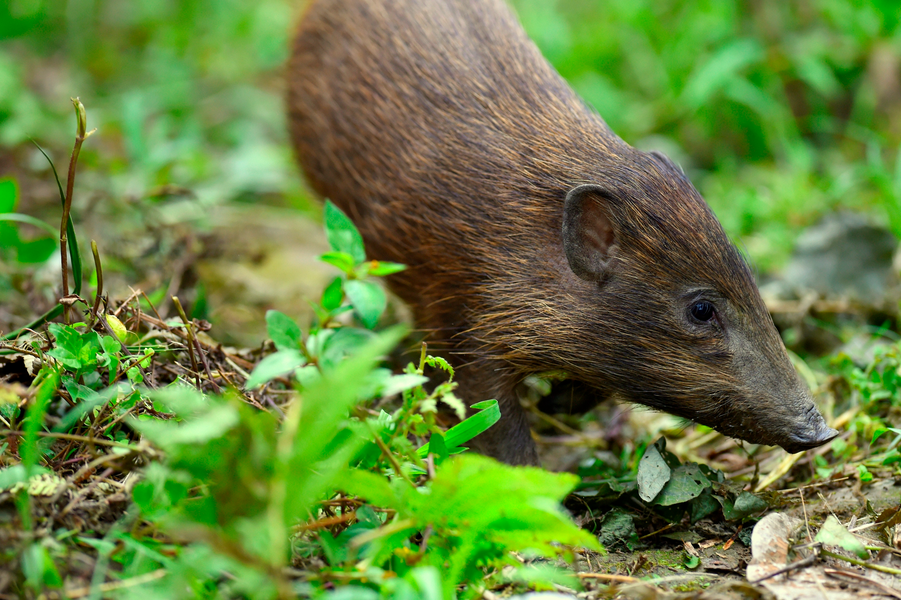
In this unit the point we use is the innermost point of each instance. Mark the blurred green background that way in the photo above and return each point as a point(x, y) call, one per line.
point(778, 111)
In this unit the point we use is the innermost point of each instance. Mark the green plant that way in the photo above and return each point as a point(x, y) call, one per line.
point(670, 489)
point(876, 395)
point(13, 247)
point(235, 479)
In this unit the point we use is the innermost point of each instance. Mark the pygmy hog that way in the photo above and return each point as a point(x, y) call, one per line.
point(536, 239)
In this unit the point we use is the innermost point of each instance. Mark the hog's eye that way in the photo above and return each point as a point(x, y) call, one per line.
point(702, 311)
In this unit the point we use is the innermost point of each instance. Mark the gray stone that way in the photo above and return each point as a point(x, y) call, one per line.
point(844, 256)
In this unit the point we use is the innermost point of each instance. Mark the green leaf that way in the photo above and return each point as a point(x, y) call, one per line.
point(864, 473)
point(342, 260)
point(703, 506)
point(36, 251)
point(368, 300)
point(462, 502)
point(378, 268)
point(396, 384)
point(342, 234)
point(65, 356)
point(440, 363)
point(489, 414)
point(284, 332)
point(719, 70)
point(325, 405)
point(211, 423)
point(438, 448)
point(833, 533)
point(118, 328)
point(686, 482)
point(745, 505)
point(332, 295)
point(40, 572)
point(66, 337)
point(110, 344)
point(342, 343)
point(8, 194)
point(374, 488)
point(275, 365)
point(653, 472)
point(20, 218)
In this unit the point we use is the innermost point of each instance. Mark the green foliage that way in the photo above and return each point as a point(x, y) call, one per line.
point(746, 98)
point(243, 477)
point(470, 527)
point(235, 478)
point(833, 533)
point(234, 481)
point(778, 114)
point(671, 489)
point(13, 247)
point(875, 387)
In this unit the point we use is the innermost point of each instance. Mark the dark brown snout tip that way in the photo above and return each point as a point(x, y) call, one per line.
point(801, 441)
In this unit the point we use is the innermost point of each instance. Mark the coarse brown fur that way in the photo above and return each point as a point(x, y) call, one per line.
point(452, 144)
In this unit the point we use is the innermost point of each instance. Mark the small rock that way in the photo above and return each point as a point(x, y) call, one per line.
point(844, 256)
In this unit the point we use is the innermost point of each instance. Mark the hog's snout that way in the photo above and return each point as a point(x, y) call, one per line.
point(812, 432)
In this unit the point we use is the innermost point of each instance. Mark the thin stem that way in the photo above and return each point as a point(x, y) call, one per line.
point(99, 269)
point(80, 136)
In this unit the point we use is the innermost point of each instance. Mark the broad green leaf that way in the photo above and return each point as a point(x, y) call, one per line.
point(36, 251)
point(40, 572)
point(437, 447)
point(342, 343)
point(118, 328)
point(833, 533)
point(489, 414)
point(8, 194)
point(653, 472)
point(324, 406)
point(374, 488)
point(66, 337)
point(332, 295)
point(368, 300)
point(745, 505)
point(703, 506)
point(686, 482)
point(462, 501)
point(275, 365)
point(342, 234)
point(342, 260)
point(719, 70)
point(396, 384)
point(317, 340)
point(213, 423)
point(66, 357)
point(284, 332)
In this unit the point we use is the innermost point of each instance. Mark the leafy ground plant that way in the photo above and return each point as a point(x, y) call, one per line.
point(326, 488)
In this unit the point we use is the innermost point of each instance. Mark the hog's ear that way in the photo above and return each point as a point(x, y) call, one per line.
point(589, 239)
